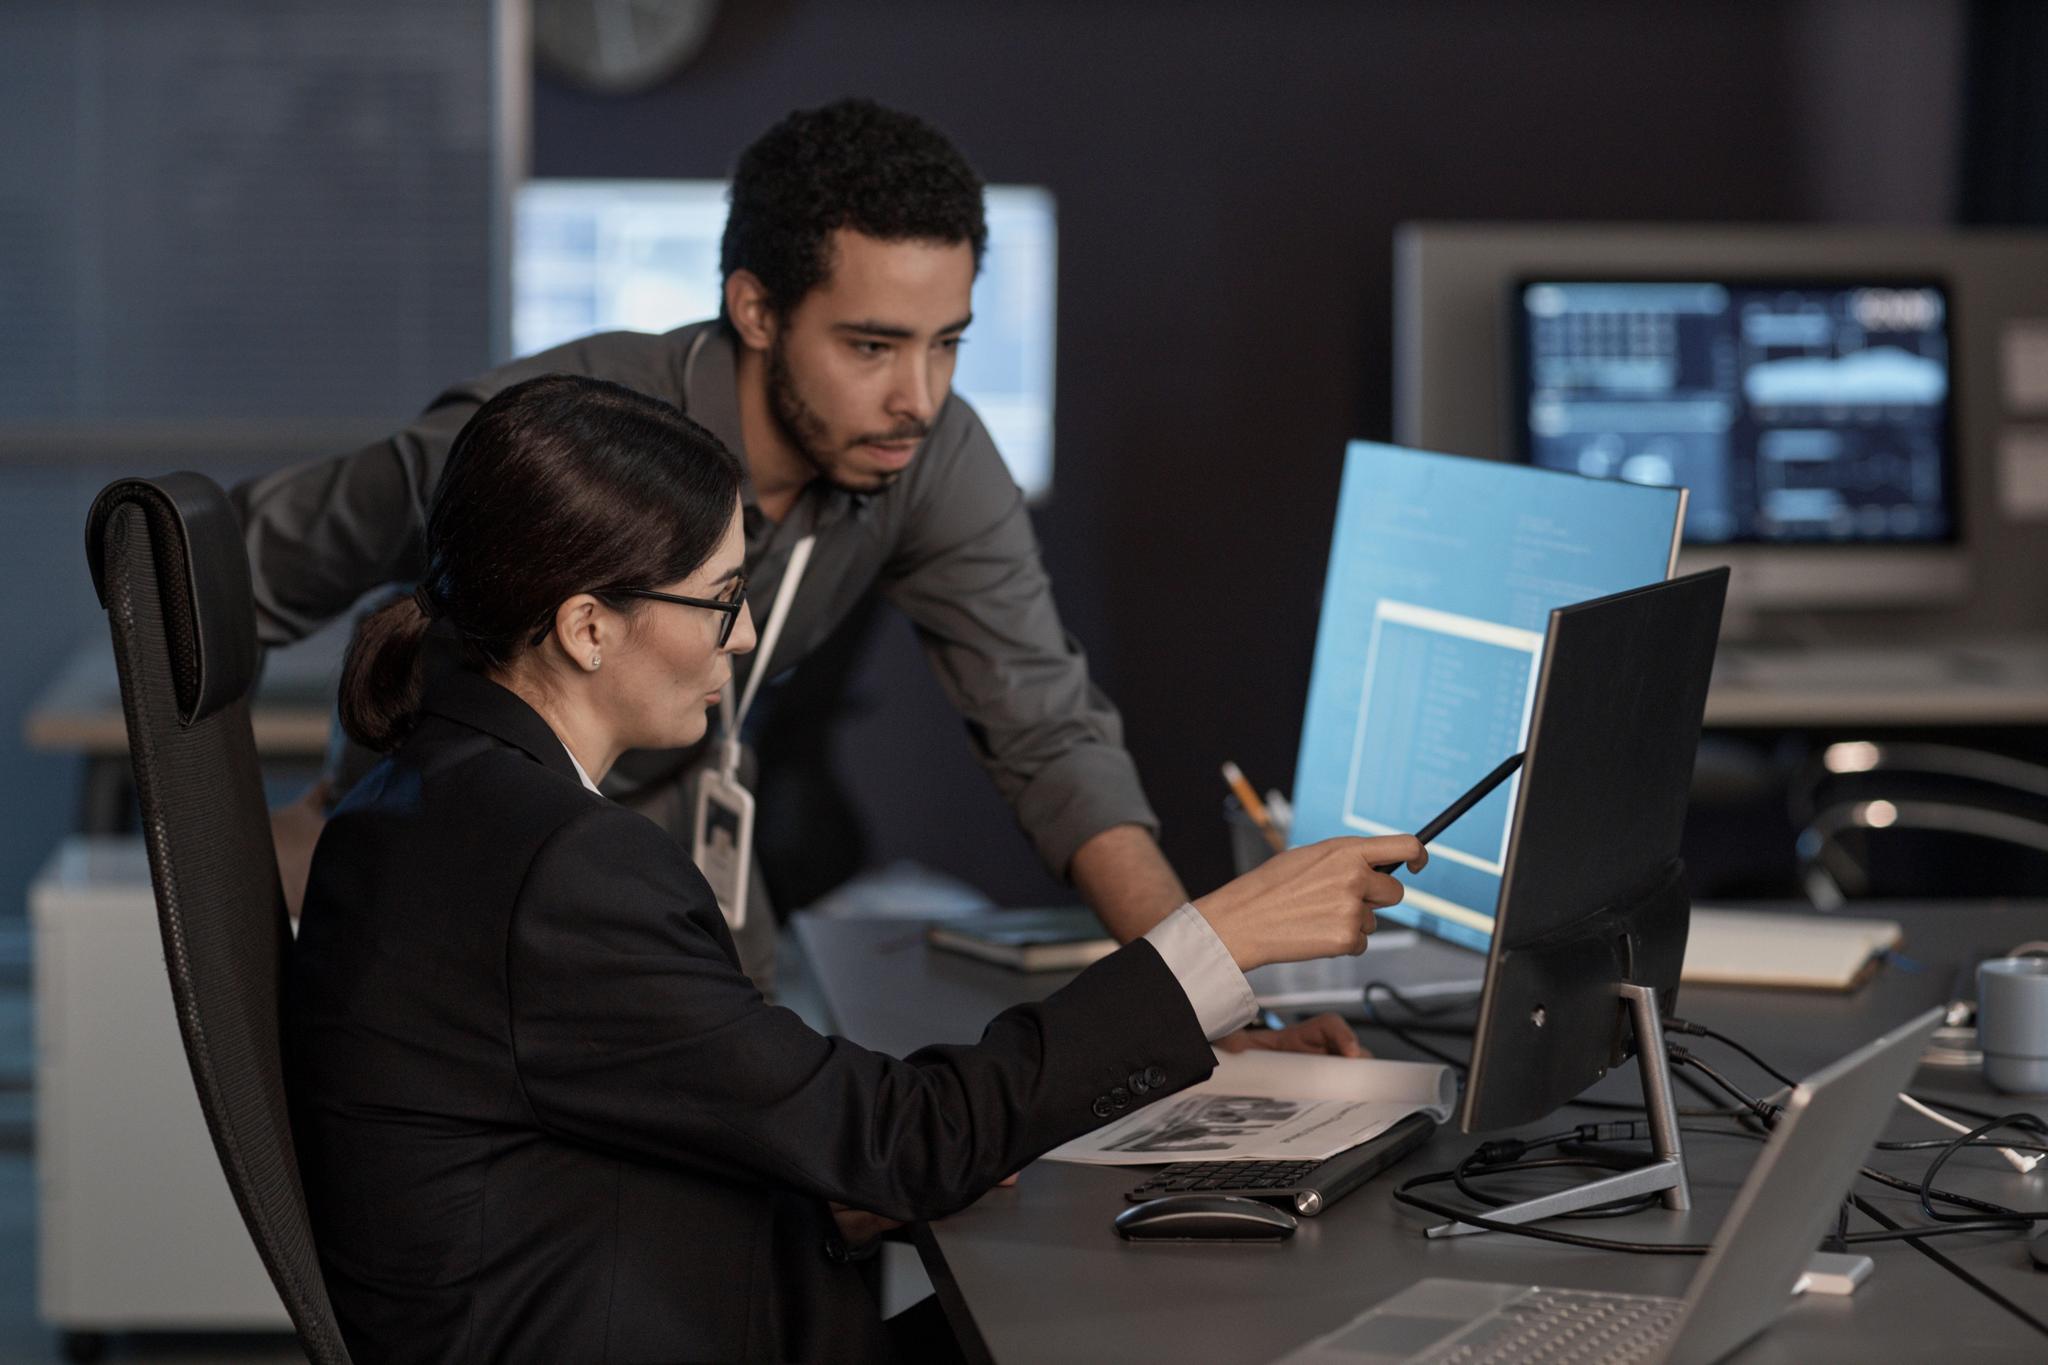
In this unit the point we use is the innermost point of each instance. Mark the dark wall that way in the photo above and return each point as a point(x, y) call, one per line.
point(1229, 178)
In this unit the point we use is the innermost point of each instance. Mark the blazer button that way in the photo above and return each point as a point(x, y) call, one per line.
point(1120, 1097)
point(1155, 1076)
point(1139, 1085)
point(1101, 1107)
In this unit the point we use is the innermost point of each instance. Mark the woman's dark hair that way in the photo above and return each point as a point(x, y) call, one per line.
point(556, 486)
point(851, 164)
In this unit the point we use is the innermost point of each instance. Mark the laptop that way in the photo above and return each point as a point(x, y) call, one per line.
point(1763, 1248)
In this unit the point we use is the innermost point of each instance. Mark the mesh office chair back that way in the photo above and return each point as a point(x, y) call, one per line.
point(168, 563)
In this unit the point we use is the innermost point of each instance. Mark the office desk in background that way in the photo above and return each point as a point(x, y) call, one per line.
point(1987, 682)
point(80, 712)
point(1035, 1273)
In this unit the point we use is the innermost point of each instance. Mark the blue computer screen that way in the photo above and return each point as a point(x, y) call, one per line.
point(1797, 413)
point(1443, 573)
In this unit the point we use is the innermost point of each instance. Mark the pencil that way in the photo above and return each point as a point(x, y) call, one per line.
point(1253, 807)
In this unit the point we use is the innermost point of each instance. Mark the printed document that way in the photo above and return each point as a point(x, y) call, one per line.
point(1271, 1106)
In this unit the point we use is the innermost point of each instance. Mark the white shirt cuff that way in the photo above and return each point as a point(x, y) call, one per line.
point(1222, 998)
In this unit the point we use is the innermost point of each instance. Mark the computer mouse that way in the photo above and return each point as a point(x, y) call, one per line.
point(2038, 1249)
point(1205, 1218)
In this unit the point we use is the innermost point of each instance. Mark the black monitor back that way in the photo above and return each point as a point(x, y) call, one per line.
point(1593, 893)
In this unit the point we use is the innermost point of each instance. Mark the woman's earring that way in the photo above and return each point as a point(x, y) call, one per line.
point(594, 661)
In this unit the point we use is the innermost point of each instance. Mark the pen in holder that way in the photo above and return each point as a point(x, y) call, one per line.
point(1248, 844)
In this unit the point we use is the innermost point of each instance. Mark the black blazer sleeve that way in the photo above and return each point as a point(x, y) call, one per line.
point(634, 1029)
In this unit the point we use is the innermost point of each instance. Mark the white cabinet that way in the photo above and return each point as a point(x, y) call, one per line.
point(137, 1227)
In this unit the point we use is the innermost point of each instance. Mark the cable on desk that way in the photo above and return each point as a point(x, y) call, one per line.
point(1684, 1112)
point(1918, 1243)
point(1686, 1026)
point(1403, 1194)
point(1402, 1032)
point(1508, 1154)
point(2012, 1220)
point(2024, 1122)
point(1926, 1144)
point(1929, 1108)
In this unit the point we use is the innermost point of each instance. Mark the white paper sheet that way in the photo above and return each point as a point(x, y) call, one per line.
point(1270, 1106)
point(2023, 472)
point(2026, 365)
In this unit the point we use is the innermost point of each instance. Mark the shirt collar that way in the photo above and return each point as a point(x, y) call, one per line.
point(581, 775)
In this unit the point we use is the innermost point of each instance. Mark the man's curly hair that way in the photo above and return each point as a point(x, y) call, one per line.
point(851, 164)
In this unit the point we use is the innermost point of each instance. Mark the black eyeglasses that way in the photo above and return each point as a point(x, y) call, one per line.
point(735, 598)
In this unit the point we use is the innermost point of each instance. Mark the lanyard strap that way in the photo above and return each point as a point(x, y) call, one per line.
point(785, 596)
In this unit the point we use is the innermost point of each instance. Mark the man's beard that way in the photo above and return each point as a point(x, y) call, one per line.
point(808, 435)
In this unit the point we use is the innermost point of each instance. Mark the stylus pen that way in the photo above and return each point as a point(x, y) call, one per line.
point(1460, 806)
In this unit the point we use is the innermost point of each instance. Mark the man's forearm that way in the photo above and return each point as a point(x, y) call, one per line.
point(1123, 875)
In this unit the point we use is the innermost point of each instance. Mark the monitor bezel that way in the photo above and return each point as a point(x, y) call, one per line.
point(1516, 377)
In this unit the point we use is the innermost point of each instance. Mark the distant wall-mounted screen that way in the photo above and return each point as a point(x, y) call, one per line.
point(602, 255)
point(1796, 412)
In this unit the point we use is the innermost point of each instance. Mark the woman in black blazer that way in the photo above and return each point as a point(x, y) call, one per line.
point(541, 1114)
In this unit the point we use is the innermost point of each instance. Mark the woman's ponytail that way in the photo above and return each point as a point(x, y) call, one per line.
point(380, 678)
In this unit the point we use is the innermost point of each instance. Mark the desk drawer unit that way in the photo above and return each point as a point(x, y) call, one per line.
point(137, 1229)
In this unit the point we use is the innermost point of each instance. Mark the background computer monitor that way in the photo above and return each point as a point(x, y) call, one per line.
point(1455, 390)
point(1593, 894)
point(642, 255)
point(1809, 416)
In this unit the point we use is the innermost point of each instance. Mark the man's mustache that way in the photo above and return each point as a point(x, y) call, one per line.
point(916, 431)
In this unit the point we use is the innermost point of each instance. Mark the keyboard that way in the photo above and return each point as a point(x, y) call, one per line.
point(1308, 1187)
point(1559, 1327)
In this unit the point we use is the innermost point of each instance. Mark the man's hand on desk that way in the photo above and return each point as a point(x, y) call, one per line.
point(858, 1227)
point(1326, 1033)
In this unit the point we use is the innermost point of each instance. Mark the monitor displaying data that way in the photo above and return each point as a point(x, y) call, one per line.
point(1443, 574)
point(1800, 413)
point(642, 255)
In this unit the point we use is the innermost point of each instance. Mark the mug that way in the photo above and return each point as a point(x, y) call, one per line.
point(2012, 1023)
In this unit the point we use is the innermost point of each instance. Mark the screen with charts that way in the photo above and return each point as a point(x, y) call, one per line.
point(642, 255)
point(1796, 413)
point(1443, 574)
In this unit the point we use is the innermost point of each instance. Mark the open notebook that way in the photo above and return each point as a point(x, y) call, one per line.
point(1800, 952)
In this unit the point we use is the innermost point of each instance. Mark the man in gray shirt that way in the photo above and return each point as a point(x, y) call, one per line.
point(849, 256)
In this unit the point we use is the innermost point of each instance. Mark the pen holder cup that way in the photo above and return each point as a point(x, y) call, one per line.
point(1248, 847)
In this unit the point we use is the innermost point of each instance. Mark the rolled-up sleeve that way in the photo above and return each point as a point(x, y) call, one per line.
point(322, 534)
point(966, 570)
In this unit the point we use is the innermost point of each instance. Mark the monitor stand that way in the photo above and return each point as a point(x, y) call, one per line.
point(1664, 1175)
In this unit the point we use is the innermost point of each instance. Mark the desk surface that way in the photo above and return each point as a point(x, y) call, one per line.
point(80, 710)
point(1988, 682)
point(1034, 1273)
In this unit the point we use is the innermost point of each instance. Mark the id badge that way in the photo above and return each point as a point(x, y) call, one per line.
point(723, 840)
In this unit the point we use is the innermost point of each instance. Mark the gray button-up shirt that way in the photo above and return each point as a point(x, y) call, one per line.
point(950, 543)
